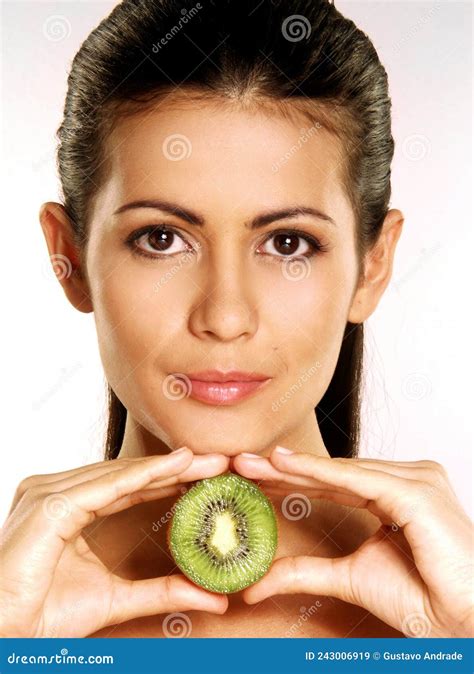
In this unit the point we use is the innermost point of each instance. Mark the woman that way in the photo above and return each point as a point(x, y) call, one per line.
point(225, 169)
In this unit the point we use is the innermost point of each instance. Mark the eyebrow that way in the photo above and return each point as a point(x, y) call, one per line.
point(196, 219)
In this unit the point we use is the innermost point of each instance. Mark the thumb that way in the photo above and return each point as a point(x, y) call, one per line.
point(308, 575)
point(138, 598)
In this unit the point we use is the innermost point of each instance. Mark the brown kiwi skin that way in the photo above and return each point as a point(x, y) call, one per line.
point(168, 534)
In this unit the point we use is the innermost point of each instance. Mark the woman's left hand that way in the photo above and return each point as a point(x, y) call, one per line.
point(415, 573)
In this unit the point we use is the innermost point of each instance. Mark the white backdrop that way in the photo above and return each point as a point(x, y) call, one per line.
point(418, 380)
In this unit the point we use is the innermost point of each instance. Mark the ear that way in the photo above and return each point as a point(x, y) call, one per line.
point(377, 268)
point(64, 255)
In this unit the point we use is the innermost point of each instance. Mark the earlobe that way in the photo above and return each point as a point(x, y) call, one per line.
point(64, 256)
point(377, 268)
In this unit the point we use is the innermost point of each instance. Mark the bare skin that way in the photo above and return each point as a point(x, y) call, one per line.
point(52, 582)
point(327, 531)
point(58, 579)
point(234, 302)
point(225, 297)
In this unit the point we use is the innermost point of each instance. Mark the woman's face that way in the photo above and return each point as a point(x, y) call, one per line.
point(222, 294)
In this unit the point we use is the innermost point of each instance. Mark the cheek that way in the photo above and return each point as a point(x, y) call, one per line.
point(308, 315)
point(137, 315)
point(311, 297)
point(142, 310)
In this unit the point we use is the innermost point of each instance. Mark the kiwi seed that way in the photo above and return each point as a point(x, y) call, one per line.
point(223, 535)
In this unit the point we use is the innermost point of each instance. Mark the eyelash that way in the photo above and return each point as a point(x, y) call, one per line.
point(316, 245)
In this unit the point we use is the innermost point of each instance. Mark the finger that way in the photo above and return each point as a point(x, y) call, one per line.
point(265, 472)
point(262, 469)
point(423, 512)
point(283, 483)
point(136, 598)
point(311, 575)
point(68, 478)
point(143, 496)
point(87, 498)
point(343, 474)
point(258, 468)
point(411, 470)
point(324, 494)
point(38, 533)
point(247, 466)
point(333, 577)
point(201, 466)
point(108, 463)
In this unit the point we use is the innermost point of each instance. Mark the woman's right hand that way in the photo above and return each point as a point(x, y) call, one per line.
point(46, 563)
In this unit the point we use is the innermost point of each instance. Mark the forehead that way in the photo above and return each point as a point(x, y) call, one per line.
point(219, 157)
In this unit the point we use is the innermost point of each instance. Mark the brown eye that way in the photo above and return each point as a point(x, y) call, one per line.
point(288, 244)
point(159, 242)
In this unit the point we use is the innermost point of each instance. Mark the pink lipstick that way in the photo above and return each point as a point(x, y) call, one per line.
point(215, 387)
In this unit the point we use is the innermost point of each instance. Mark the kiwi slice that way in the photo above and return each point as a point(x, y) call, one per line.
point(223, 534)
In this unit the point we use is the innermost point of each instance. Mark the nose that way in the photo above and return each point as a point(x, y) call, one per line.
point(224, 310)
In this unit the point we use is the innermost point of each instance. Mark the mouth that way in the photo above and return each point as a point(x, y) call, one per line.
point(225, 388)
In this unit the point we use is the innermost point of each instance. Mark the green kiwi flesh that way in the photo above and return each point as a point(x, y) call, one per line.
point(223, 534)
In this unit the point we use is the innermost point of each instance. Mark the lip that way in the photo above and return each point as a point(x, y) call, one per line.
point(224, 388)
point(223, 393)
point(231, 375)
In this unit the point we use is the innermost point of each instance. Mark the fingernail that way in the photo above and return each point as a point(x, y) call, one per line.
point(283, 450)
point(249, 455)
point(177, 451)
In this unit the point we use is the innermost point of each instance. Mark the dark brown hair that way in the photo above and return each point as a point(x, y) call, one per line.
point(295, 55)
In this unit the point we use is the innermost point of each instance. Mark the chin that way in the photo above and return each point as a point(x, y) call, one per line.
point(209, 445)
